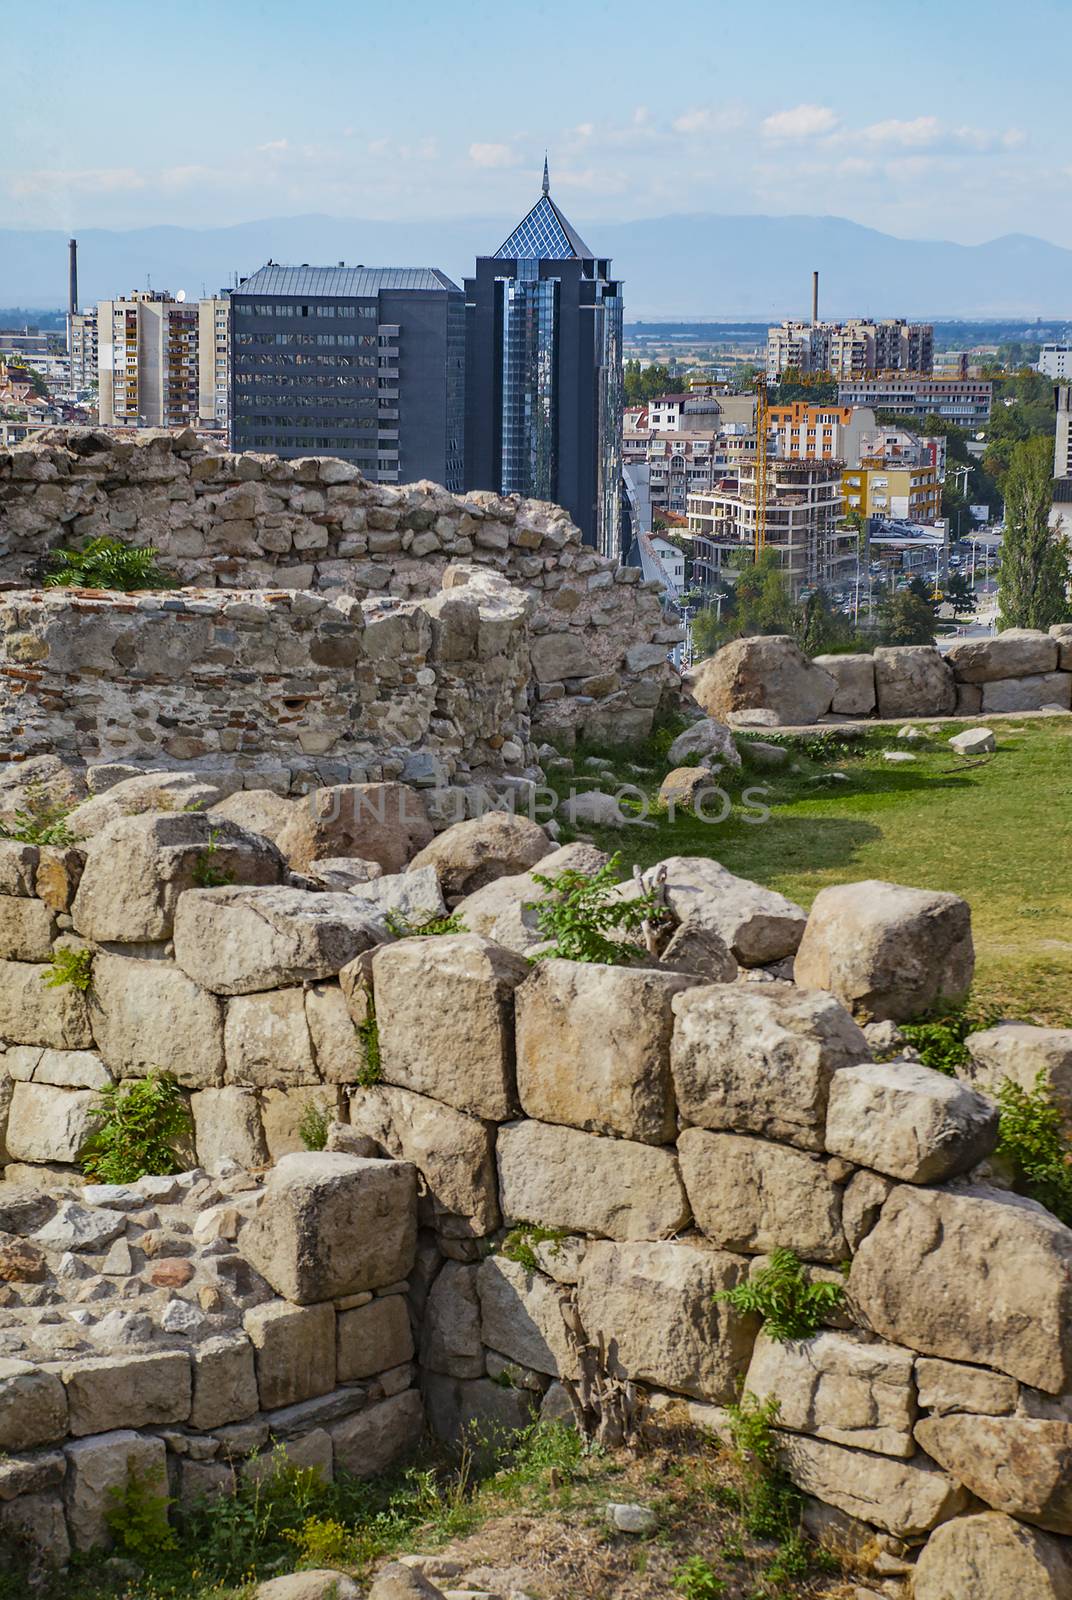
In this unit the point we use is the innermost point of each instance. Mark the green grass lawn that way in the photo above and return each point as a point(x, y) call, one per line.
point(998, 832)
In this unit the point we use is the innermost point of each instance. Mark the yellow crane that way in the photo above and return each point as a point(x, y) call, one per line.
point(762, 424)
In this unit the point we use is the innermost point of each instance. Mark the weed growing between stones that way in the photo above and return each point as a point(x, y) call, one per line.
point(42, 821)
point(698, 1580)
point(1032, 1137)
point(139, 1127)
point(313, 1127)
point(403, 928)
point(137, 1515)
point(206, 873)
point(107, 563)
point(371, 1070)
point(521, 1243)
point(67, 966)
point(582, 911)
point(791, 1307)
point(941, 1037)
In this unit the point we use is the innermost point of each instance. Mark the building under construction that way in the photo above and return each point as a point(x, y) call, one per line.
point(803, 505)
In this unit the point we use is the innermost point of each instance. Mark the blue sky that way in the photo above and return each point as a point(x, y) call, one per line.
point(926, 118)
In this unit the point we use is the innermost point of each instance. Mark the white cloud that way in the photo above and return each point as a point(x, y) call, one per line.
point(710, 119)
point(275, 144)
point(585, 130)
point(801, 122)
point(913, 135)
point(89, 180)
point(492, 155)
point(1013, 138)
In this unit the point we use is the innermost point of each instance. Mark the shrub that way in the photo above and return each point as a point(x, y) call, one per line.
point(234, 1532)
point(1032, 1136)
point(313, 1126)
point(42, 821)
point(941, 1037)
point(769, 1503)
point(698, 1580)
point(136, 1513)
point(139, 1125)
point(324, 1542)
point(67, 965)
point(791, 1307)
point(403, 928)
point(107, 563)
point(583, 911)
point(206, 873)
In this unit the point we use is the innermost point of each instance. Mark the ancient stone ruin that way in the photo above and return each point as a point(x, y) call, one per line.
point(653, 1128)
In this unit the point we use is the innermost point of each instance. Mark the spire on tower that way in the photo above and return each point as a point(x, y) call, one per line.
point(546, 175)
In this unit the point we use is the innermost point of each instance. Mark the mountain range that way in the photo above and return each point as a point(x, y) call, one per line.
point(687, 267)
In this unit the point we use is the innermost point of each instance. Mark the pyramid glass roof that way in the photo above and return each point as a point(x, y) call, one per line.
point(545, 235)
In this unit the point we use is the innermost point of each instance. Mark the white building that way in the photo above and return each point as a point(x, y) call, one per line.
point(1055, 360)
point(803, 512)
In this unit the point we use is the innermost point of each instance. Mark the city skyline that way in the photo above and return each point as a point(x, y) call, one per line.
point(709, 110)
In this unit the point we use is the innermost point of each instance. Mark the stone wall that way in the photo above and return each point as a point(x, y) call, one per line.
point(671, 1124)
point(599, 640)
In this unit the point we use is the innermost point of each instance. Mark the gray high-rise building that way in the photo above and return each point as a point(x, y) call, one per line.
point(364, 363)
point(544, 373)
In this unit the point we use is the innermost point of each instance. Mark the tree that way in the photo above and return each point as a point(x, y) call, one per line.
point(906, 619)
point(960, 594)
point(1033, 573)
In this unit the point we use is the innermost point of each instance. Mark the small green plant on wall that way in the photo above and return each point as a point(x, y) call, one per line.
point(69, 966)
point(141, 1127)
point(791, 1307)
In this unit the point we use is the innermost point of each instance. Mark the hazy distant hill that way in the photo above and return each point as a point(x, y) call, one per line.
point(678, 266)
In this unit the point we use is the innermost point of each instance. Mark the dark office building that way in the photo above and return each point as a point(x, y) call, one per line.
point(544, 373)
point(364, 363)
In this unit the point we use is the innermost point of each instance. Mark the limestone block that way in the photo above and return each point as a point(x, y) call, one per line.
point(770, 672)
point(913, 680)
point(98, 1467)
point(748, 1194)
point(332, 1224)
point(18, 867)
point(49, 1124)
point(1015, 653)
point(478, 1411)
point(1020, 1465)
point(317, 1583)
point(472, 854)
point(257, 811)
point(33, 1406)
point(709, 739)
point(200, 1481)
point(35, 1524)
point(149, 1016)
point(904, 1120)
point(282, 1111)
point(372, 1440)
point(450, 1327)
point(945, 1386)
point(862, 1200)
point(78, 1227)
point(758, 925)
point(227, 1127)
point(140, 793)
point(33, 1013)
point(453, 1152)
point(560, 655)
point(337, 1050)
point(615, 1188)
point(687, 788)
point(384, 822)
point(134, 1390)
point(907, 1498)
point(373, 1337)
point(654, 1304)
point(887, 950)
point(521, 1317)
point(224, 1381)
point(1019, 1051)
point(412, 897)
point(444, 1013)
point(266, 1040)
point(1062, 632)
point(27, 928)
point(761, 1060)
point(839, 1386)
point(990, 1557)
point(294, 1350)
point(855, 680)
point(1029, 694)
point(593, 1048)
point(236, 941)
point(64, 1069)
point(137, 868)
point(978, 1275)
point(974, 741)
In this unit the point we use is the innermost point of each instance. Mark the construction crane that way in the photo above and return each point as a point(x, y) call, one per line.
point(762, 424)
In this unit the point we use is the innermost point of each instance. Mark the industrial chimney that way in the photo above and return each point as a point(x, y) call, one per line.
point(72, 291)
point(814, 299)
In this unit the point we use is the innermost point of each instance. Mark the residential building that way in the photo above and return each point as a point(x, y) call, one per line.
point(965, 401)
point(84, 349)
point(147, 361)
point(544, 373)
point(214, 362)
point(699, 409)
point(801, 431)
point(952, 364)
point(1062, 455)
point(858, 348)
point(803, 513)
point(1055, 360)
point(898, 447)
point(364, 363)
point(876, 488)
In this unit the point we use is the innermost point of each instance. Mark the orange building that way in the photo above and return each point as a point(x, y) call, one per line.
point(807, 431)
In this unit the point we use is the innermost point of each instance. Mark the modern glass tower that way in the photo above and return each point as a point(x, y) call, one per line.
point(544, 373)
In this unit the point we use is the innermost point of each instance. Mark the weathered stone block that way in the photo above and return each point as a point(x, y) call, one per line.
point(27, 928)
point(1014, 653)
point(294, 1350)
point(337, 1050)
point(593, 1048)
point(521, 1317)
point(907, 1498)
point(761, 1060)
point(35, 1525)
point(18, 866)
point(282, 1111)
point(149, 1016)
point(266, 1040)
point(990, 1557)
point(472, 854)
point(100, 1467)
point(372, 1440)
point(855, 680)
point(758, 925)
point(453, 1152)
point(33, 1406)
point(227, 1127)
point(1020, 1052)
point(945, 1386)
point(384, 822)
point(444, 1013)
point(748, 1194)
point(450, 1325)
point(1029, 694)
point(49, 1124)
point(1020, 1465)
point(904, 1120)
point(615, 1188)
point(236, 941)
point(837, 1386)
point(134, 1390)
point(770, 672)
point(482, 1413)
point(332, 1224)
point(373, 1338)
point(33, 1013)
point(224, 1381)
point(913, 680)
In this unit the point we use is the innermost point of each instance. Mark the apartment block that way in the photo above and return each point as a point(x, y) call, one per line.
point(964, 401)
point(803, 432)
point(1055, 360)
point(84, 350)
point(698, 410)
point(214, 362)
point(846, 350)
point(147, 361)
point(906, 494)
point(364, 363)
point(803, 511)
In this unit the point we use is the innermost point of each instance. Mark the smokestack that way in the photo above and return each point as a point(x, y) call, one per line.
point(72, 276)
point(814, 299)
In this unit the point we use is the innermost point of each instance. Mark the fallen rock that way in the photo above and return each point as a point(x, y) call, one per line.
point(770, 672)
point(1018, 1051)
point(598, 810)
point(472, 854)
point(397, 1581)
point(758, 925)
point(990, 1557)
point(902, 1119)
point(181, 793)
point(384, 822)
point(257, 811)
point(505, 910)
point(886, 949)
point(317, 1583)
point(707, 738)
point(630, 1518)
point(974, 741)
point(687, 788)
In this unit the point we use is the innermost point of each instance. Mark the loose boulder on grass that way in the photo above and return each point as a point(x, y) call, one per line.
point(882, 948)
point(709, 739)
point(472, 854)
point(768, 672)
point(758, 925)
